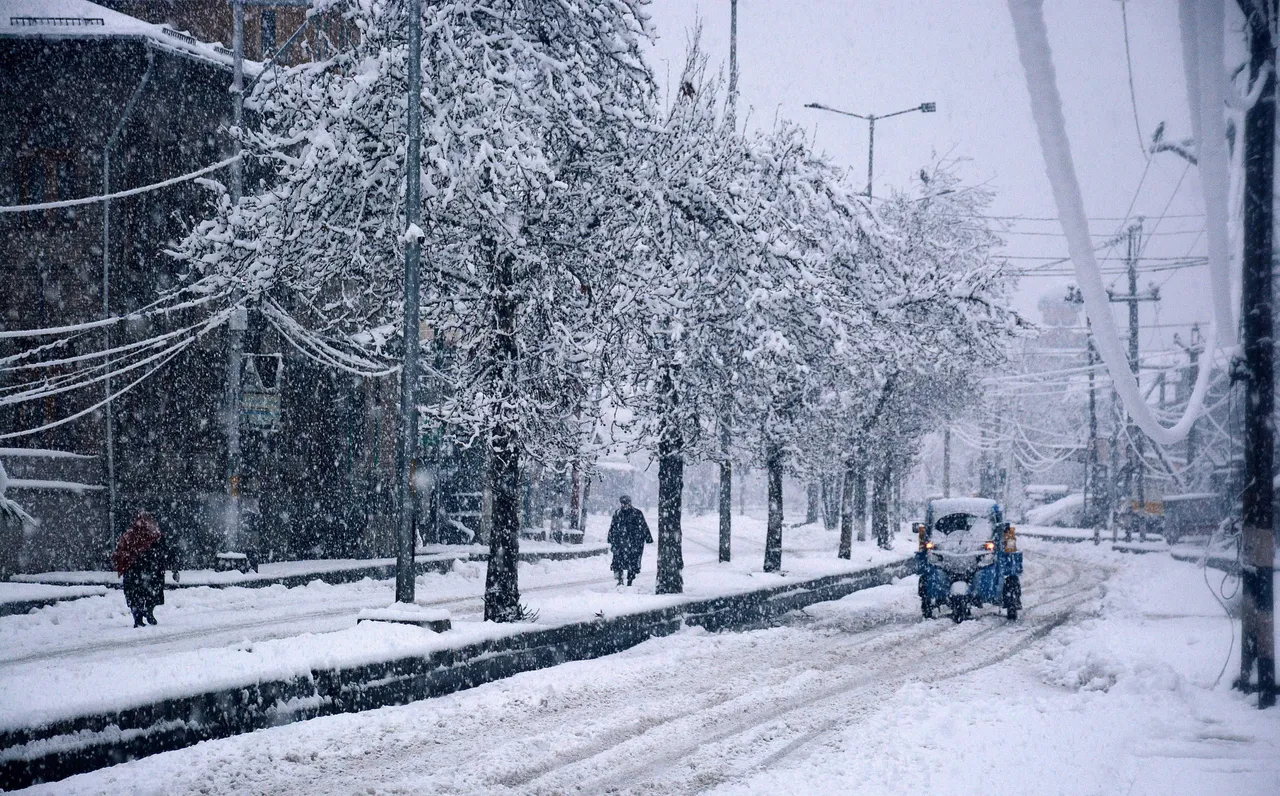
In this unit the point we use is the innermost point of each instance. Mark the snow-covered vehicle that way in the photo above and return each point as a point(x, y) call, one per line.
point(968, 557)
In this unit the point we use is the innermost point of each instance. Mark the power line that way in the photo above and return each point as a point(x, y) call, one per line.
point(1107, 235)
point(1181, 258)
point(1133, 97)
point(89, 200)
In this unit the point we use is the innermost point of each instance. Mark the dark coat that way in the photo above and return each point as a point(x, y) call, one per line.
point(628, 534)
point(144, 580)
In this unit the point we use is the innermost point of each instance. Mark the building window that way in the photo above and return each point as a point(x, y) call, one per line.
point(45, 176)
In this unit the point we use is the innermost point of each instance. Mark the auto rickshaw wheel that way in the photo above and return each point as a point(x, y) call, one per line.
point(1012, 597)
point(959, 608)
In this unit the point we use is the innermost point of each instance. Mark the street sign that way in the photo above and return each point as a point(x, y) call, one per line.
point(260, 393)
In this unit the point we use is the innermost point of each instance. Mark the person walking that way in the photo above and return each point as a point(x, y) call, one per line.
point(628, 534)
point(141, 557)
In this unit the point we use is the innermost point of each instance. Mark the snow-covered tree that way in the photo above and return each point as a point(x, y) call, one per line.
point(519, 99)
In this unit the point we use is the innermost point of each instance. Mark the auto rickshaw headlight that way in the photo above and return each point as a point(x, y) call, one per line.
point(1010, 539)
point(990, 546)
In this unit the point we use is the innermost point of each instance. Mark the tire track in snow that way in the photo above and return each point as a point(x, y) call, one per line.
point(848, 699)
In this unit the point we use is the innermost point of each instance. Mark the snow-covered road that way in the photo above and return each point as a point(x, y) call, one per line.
point(1105, 685)
point(857, 695)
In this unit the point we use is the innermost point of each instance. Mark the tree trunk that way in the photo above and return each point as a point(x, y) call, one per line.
point(575, 498)
point(502, 588)
point(880, 506)
point(814, 494)
point(586, 496)
point(726, 490)
point(860, 501)
point(851, 476)
point(726, 509)
point(670, 579)
point(773, 534)
point(895, 512)
point(830, 502)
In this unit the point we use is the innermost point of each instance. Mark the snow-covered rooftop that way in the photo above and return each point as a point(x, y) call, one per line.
point(81, 19)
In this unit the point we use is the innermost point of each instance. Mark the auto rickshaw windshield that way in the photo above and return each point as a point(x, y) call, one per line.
point(954, 522)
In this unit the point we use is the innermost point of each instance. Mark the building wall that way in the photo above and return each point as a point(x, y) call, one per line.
point(63, 98)
point(212, 21)
point(321, 485)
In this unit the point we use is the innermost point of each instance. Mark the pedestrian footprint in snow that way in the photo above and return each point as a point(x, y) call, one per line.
point(141, 557)
point(628, 534)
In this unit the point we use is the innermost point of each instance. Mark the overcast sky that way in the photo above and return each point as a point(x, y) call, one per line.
point(881, 56)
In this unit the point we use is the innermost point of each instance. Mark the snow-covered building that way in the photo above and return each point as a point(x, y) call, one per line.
point(71, 68)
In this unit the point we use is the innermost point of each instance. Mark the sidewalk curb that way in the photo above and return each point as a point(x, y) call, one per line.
point(1048, 537)
point(64, 748)
point(1228, 565)
point(434, 562)
point(15, 607)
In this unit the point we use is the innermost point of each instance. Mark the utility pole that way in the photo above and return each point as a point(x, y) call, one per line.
point(1091, 479)
point(409, 370)
point(239, 321)
point(733, 63)
point(1257, 637)
point(1193, 349)
point(726, 416)
point(108, 415)
point(1091, 467)
point(1113, 464)
point(1135, 476)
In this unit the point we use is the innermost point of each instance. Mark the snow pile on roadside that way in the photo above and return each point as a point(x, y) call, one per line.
point(1063, 512)
point(27, 592)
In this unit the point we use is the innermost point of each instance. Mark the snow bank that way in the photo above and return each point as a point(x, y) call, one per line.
point(30, 592)
point(1063, 512)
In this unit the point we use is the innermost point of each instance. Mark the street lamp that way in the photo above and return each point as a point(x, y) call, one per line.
point(924, 107)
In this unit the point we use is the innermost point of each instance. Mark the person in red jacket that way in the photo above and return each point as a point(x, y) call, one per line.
point(142, 555)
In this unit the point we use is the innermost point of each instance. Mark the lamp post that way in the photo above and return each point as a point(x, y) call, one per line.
point(924, 107)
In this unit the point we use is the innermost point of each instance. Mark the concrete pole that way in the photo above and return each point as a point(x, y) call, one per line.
point(871, 151)
point(1091, 466)
point(239, 321)
point(726, 463)
point(107, 411)
point(1136, 436)
point(1257, 643)
point(733, 63)
point(412, 254)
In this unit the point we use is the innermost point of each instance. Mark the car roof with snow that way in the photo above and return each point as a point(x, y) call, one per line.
point(978, 507)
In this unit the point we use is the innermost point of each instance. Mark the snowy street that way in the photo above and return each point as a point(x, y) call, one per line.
point(644, 396)
point(84, 655)
point(1102, 686)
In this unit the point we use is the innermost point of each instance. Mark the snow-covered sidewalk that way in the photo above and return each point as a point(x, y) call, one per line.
point(1105, 685)
point(291, 573)
point(210, 639)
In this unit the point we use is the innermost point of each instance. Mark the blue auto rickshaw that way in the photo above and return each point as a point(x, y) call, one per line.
point(968, 557)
